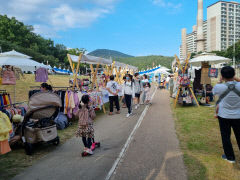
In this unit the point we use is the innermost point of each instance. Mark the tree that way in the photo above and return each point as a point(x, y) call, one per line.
point(230, 52)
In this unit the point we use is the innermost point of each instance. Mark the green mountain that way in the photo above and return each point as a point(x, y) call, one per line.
point(106, 53)
point(144, 62)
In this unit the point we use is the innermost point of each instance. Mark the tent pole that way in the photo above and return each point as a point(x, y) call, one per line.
point(14, 93)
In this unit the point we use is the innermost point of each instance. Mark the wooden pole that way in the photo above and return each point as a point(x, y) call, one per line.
point(194, 96)
point(176, 100)
point(73, 70)
point(75, 79)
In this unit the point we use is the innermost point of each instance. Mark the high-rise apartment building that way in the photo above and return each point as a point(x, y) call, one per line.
point(223, 25)
point(220, 30)
point(189, 41)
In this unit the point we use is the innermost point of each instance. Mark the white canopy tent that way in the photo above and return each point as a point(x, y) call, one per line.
point(208, 58)
point(19, 60)
point(98, 60)
point(14, 53)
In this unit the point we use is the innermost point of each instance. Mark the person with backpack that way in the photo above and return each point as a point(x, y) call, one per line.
point(113, 89)
point(228, 111)
point(129, 93)
point(138, 88)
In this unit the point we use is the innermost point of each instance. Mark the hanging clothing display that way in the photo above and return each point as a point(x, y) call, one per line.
point(8, 76)
point(41, 75)
point(5, 99)
point(5, 129)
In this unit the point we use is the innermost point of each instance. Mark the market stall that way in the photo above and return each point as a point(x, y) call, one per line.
point(98, 89)
point(202, 75)
point(182, 84)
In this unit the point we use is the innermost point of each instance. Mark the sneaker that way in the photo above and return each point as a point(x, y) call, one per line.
point(110, 113)
point(89, 151)
point(128, 115)
point(118, 112)
point(225, 158)
point(136, 107)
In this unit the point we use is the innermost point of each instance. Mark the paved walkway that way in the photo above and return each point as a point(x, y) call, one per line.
point(153, 153)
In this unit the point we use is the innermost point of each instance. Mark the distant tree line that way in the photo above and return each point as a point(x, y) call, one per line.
point(144, 62)
point(229, 53)
point(20, 37)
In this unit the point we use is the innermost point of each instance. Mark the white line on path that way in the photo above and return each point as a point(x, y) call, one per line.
point(124, 149)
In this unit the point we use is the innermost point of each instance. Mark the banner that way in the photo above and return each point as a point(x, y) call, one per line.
point(213, 73)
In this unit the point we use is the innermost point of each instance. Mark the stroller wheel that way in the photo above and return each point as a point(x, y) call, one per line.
point(57, 141)
point(28, 148)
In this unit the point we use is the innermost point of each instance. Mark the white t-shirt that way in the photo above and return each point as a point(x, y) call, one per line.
point(229, 107)
point(145, 80)
point(168, 79)
point(113, 86)
point(128, 88)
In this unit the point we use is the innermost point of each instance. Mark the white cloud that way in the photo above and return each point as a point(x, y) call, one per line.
point(166, 4)
point(66, 17)
point(50, 16)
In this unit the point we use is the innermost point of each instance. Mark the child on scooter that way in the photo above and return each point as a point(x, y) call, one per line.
point(85, 124)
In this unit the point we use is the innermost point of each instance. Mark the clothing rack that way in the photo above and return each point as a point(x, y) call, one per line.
point(52, 87)
point(13, 104)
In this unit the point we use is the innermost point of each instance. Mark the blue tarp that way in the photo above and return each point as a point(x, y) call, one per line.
point(61, 71)
point(149, 71)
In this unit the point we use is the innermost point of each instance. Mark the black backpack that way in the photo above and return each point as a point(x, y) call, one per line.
point(231, 87)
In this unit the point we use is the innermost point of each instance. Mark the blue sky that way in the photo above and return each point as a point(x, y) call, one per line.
point(135, 27)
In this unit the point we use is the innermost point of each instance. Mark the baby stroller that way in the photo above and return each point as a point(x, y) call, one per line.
point(38, 124)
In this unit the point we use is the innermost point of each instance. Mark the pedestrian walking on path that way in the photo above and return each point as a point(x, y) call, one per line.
point(167, 82)
point(138, 88)
point(147, 91)
point(113, 89)
point(85, 124)
point(129, 93)
point(228, 111)
point(144, 81)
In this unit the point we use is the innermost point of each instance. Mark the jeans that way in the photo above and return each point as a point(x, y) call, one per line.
point(225, 128)
point(128, 99)
point(87, 142)
point(116, 101)
point(167, 84)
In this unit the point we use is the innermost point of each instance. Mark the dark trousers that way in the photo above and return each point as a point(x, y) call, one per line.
point(116, 101)
point(210, 95)
point(87, 142)
point(128, 99)
point(225, 128)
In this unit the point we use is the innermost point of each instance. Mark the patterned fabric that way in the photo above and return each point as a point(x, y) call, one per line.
point(8, 77)
point(85, 131)
point(85, 122)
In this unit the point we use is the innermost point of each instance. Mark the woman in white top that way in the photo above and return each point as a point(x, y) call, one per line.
point(144, 82)
point(129, 93)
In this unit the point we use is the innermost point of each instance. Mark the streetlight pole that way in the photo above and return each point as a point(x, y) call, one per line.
point(234, 46)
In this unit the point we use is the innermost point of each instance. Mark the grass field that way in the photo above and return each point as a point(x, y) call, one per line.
point(23, 85)
point(15, 161)
point(200, 141)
